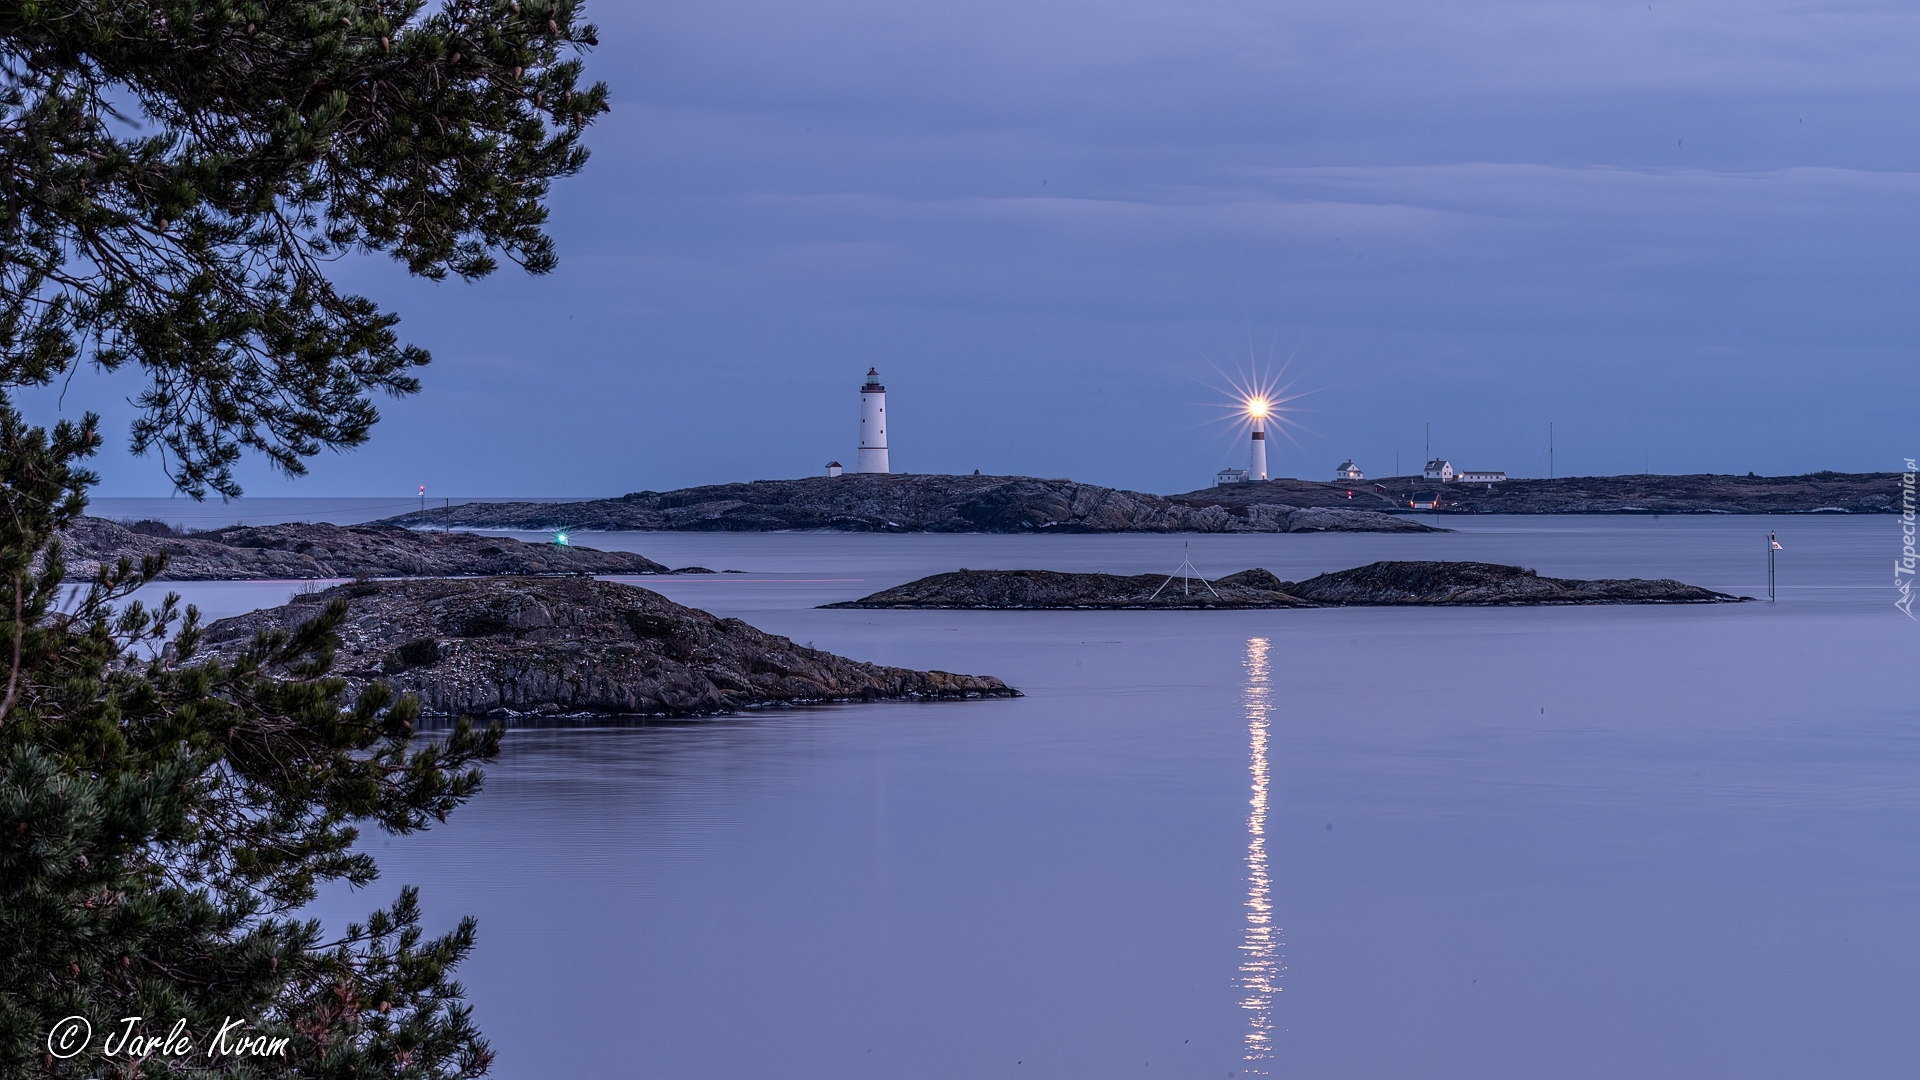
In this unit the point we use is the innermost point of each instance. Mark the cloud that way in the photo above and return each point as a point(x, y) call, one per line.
point(1016, 59)
point(1691, 221)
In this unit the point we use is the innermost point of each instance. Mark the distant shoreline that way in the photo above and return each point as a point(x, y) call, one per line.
point(930, 503)
point(1636, 493)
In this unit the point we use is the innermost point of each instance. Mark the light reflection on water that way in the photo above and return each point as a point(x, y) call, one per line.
point(1260, 969)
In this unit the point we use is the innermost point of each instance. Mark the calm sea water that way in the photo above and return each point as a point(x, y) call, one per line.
point(1600, 842)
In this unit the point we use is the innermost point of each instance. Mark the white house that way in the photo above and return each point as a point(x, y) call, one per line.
point(1348, 472)
point(1480, 477)
point(833, 468)
point(1439, 469)
point(1229, 476)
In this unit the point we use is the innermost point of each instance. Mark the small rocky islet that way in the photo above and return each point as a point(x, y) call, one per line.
point(1379, 584)
point(553, 646)
point(304, 551)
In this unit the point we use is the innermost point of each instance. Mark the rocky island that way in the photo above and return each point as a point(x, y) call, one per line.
point(914, 503)
point(1701, 493)
point(279, 552)
point(575, 646)
point(1380, 584)
point(1017, 504)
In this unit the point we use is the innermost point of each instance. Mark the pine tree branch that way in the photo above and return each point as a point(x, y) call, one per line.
point(19, 635)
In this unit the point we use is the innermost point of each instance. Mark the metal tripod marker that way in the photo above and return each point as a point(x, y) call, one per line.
point(1186, 564)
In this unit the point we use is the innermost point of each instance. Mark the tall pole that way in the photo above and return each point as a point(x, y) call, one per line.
point(1772, 546)
point(423, 502)
point(1549, 449)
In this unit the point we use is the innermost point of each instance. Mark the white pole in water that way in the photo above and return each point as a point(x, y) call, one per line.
point(872, 457)
point(1773, 545)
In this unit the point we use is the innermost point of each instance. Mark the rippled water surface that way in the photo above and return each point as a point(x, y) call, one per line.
point(1579, 842)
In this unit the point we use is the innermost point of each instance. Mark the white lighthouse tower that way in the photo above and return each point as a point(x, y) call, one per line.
point(873, 426)
point(1257, 460)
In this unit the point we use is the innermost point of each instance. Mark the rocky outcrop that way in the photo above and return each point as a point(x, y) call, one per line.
point(1377, 584)
point(1478, 583)
point(1704, 493)
point(903, 503)
point(276, 552)
point(1032, 590)
point(575, 646)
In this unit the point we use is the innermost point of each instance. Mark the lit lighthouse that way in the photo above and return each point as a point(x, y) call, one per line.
point(1257, 460)
point(873, 426)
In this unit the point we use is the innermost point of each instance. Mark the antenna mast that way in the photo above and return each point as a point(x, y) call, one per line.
point(1186, 573)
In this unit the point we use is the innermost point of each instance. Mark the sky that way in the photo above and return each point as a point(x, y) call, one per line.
point(1681, 233)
